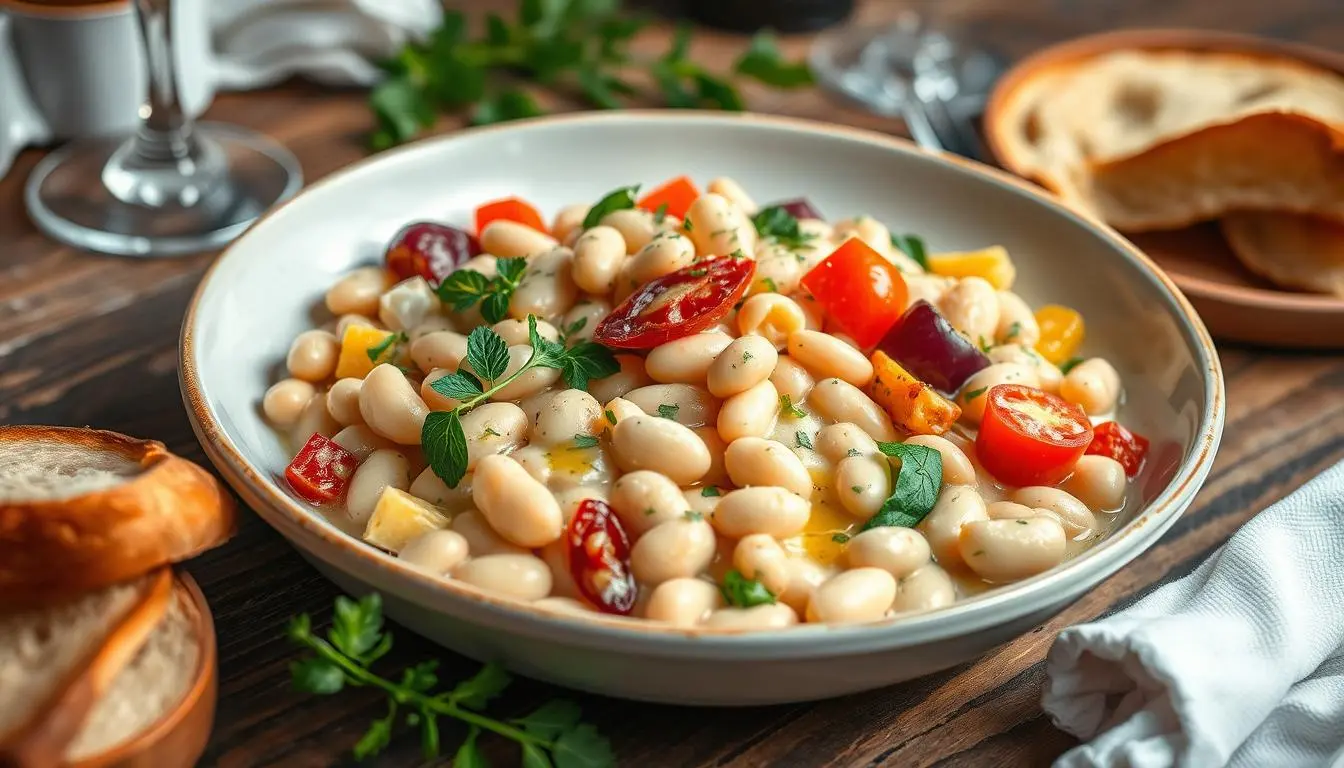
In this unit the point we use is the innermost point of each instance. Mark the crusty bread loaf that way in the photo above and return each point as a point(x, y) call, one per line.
point(1159, 139)
point(57, 662)
point(1305, 252)
point(84, 509)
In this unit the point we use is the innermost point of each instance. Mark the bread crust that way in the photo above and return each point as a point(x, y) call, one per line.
point(51, 549)
point(1292, 250)
point(42, 739)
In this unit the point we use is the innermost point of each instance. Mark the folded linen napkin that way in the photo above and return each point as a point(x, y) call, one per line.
point(1240, 663)
point(260, 42)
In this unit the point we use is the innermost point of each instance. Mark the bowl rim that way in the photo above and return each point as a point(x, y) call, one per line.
point(1168, 39)
point(321, 539)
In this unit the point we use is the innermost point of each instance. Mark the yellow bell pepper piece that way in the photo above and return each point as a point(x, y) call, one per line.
point(993, 264)
point(1062, 332)
point(912, 404)
point(354, 361)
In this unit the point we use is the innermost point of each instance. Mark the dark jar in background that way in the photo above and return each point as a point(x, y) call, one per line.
point(780, 15)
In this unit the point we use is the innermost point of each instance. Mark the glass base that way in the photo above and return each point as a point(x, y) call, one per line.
point(68, 197)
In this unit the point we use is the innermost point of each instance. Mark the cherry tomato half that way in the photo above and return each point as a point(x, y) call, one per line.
point(321, 470)
point(861, 291)
point(1030, 437)
point(1120, 444)
point(430, 250)
point(511, 208)
point(599, 558)
point(683, 303)
point(677, 195)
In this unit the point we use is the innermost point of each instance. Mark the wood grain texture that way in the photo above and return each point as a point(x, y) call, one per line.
point(93, 340)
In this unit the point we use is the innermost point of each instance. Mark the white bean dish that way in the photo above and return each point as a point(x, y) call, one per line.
point(689, 409)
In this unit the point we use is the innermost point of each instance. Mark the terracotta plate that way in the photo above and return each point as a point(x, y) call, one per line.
point(1235, 304)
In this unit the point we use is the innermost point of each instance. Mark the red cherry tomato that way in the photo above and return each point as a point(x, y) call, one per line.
point(677, 195)
point(1120, 444)
point(863, 293)
point(321, 470)
point(1030, 437)
point(511, 208)
point(599, 558)
point(430, 250)
point(683, 303)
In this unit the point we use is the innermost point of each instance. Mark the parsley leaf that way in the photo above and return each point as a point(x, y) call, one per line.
point(787, 408)
point(476, 691)
point(585, 441)
point(776, 223)
point(710, 491)
point(356, 626)
point(611, 417)
point(388, 345)
point(974, 393)
point(693, 516)
point(619, 199)
point(741, 592)
point(1070, 364)
point(915, 488)
point(668, 411)
point(840, 538)
point(802, 440)
point(912, 246)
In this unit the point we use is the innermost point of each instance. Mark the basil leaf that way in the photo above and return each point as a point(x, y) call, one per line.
point(445, 446)
point(618, 199)
point(762, 61)
point(915, 489)
point(458, 386)
point(912, 246)
point(463, 288)
point(741, 592)
point(487, 353)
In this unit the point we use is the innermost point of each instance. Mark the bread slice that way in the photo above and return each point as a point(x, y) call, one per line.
point(82, 509)
point(1160, 139)
point(1304, 252)
point(57, 662)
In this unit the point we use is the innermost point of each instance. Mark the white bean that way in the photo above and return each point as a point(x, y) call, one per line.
point(1008, 550)
point(493, 428)
point(733, 192)
point(313, 419)
point(556, 557)
point(644, 499)
point(358, 292)
point(635, 225)
point(957, 506)
point(856, 595)
point(685, 360)
point(772, 317)
point(1050, 376)
point(361, 441)
point(718, 228)
point(972, 307)
point(682, 602)
point(928, 288)
point(584, 318)
point(522, 577)
point(741, 365)
point(717, 474)
point(751, 413)
point(804, 578)
point(391, 406)
point(598, 256)
point(1017, 323)
point(764, 509)
point(343, 401)
point(778, 269)
point(285, 400)
point(435, 552)
point(752, 461)
point(507, 239)
point(481, 539)
point(1099, 482)
point(382, 469)
point(871, 231)
point(569, 219)
point(619, 410)
point(515, 332)
point(840, 401)
point(1078, 520)
point(927, 588)
point(1093, 384)
point(312, 356)
point(518, 507)
point(675, 549)
point(825, 356)
point(687, 404)
point(536, 461)
point(957, 468)
point(837, 441)
point(755, 618)
point(792, 379)
point(758, 556)
point(631, 376)
point(433, 400)
point(547, 288)
point(666, 253)
point(441, 349)
point(898, 551)
point(431, 488)
point(571, 412)
point(650, 442)
point(975, 392)
point(863, 483)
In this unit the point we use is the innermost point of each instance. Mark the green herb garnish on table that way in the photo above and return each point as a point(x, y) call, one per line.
point(552, 735)
point(578, 47)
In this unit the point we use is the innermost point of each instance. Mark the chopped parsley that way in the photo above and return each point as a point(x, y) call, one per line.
point(710, 491)
point(668, 410)
point(388, 346)
point(585, 441)
point(770, 284)
point(974, 393)
point(840, 538)
point(611, 417)
point(741, 592)
point(660, 215)
point(802, 440)
point(776, 223)
point(787, 408)
point(1070, 364)
point(692, 515)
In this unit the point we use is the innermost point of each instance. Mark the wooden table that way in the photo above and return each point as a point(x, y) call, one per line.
point(93, 340)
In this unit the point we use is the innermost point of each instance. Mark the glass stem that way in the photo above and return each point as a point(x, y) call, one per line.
point(165, 133)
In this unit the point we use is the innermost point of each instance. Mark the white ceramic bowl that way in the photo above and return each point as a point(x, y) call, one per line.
point(269, 285)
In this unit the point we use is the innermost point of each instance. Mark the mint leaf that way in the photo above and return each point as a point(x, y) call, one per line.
point(586, 361)
point(916, 487)
point(445, 446)
point(463, 288)
point(741, 592)
point(356, 626)
point(314, 675)
point(487, 353)
point(511, 270)
point(762, 61)
point(583, 747)
point(495, 307)
point(458, 386)
point(550, 719)
point(619, 199)
point(477, 691)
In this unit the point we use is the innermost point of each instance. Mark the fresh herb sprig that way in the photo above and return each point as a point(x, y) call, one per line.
point(466, 288)
point(388, 348)
point(778, 224)
point(619, 199)
point(552, 735)
point(442, 436)
point(741, 592)
point(578, 47)
point(915, 489)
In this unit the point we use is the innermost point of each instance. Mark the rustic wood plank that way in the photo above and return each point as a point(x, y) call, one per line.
point(87, 339)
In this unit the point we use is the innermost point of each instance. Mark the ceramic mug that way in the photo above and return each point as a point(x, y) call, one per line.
point(70, 69)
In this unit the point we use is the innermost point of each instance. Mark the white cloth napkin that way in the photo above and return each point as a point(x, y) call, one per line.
point(1240, 663)
point(261, 42)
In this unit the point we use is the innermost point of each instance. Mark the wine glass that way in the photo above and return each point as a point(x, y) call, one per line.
point(915, 69)
point(173, 187)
